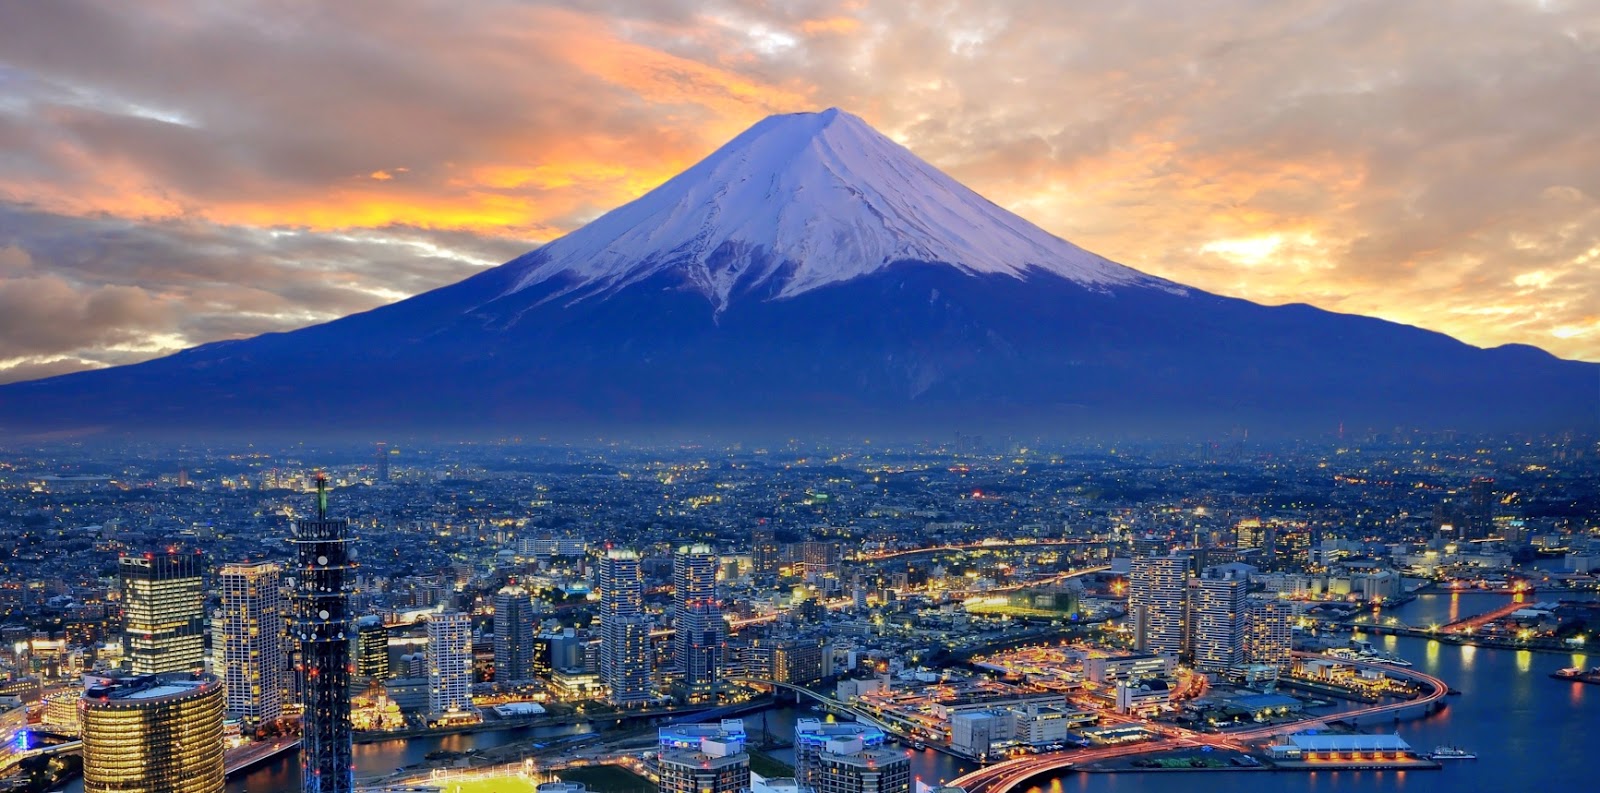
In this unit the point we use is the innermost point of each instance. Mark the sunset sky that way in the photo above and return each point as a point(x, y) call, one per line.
point(173, 173)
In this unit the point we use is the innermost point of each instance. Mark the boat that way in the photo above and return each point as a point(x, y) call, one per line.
point(1578, 675)
point(1452, 753)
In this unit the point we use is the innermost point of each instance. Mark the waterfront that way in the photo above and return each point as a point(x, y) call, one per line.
point(1526, 728)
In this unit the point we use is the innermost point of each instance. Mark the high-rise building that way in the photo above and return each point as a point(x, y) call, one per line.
point(1156, 589)
point(383, 462)
point(711, 763)
point(152, 733)
point(321, 630)
point(1270, 632)
point(513, 635)
point(701, 631)
point(449, 664)
point(1480, 509)
point(372, 648)
point(764, 552)
point(163, 611)
point(1217, 608)
point(811, 740)
point(625, 659)
point(845, 766)
point(819, 563)
point(254, 656)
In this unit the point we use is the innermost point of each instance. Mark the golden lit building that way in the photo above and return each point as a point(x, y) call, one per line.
point(163, 611)
point(151, 733)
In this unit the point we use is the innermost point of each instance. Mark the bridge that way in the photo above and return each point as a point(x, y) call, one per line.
point(1042, 545)
point(859, 715)
point(1003, 777)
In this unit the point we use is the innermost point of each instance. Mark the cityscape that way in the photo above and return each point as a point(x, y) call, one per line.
point(799, 396)
point(979, 613)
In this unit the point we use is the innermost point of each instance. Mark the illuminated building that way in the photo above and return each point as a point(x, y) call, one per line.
point(449, 665)
point(625, 661)
point(813, 736)
point(322, 628)
point(845, 766)
point(700, 635)
point(163, 611)
point(706, 758)
point(152, 733)
point(1271, 633)
point(764, 552)
point(372, 648)
point(1156, 589)
point(514, 647)
point(253, 654)
point(1218, 613)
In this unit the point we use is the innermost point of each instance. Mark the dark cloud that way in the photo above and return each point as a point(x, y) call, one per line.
point(198, 171)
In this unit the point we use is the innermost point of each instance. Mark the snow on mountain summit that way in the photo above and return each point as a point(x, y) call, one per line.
point(809, 199)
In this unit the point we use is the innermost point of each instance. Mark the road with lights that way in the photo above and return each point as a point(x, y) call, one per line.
point(1003, 777)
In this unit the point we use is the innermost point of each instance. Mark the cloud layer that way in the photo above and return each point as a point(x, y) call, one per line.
point(175, 172)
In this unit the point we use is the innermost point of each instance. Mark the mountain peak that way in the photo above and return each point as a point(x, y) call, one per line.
point(797, 202)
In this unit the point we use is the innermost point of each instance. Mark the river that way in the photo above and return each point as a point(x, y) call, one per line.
point(1527, 728)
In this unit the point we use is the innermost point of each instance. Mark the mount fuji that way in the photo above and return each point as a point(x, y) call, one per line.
point(813, 275)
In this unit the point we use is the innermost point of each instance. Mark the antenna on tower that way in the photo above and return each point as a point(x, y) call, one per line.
point(322, 496)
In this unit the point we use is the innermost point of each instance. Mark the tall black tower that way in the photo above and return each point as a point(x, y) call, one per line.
point(323, 629)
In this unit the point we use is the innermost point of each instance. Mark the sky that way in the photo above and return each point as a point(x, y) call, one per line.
point(174, 172)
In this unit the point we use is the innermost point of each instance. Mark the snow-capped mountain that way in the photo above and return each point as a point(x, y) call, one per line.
point(814, 275)
point(799, 202)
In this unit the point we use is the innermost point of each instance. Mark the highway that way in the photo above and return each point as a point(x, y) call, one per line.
point(1003, 777)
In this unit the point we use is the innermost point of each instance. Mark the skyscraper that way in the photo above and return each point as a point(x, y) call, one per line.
point(703, 759)
point(254, 648)
point(383, 461)
point(1218, 609)
point(764, 552)
point(700, 635)
point(513, 635)
point(1270, 632)
point(372, 648)
point(163, 611)
point(625, 665)
point(449, 664)
point(845, 766)
point(152, 733)
point(1156, 603)
point(812, 738)
point(322, 627)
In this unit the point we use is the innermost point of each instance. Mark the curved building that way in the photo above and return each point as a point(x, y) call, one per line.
point(152, 733)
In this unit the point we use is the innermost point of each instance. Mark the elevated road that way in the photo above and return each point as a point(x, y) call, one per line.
point(1003, 777)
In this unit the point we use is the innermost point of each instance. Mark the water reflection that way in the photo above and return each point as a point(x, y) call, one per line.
point(1468, 653)
point(1524, 661)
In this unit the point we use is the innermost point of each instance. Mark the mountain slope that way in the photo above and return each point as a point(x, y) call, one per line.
point(813, 275)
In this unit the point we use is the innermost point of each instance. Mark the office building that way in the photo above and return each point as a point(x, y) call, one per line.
point(846, 766)
point(151, 733)
point(253, 658)
point(1218, 614)
point(701, 631)
point(811, 739)
point(372, 648)
point(320, 631)
point(625, 656)
point(382, 455)
point(163, 611)
point(1156, 591)
point(704, 758)
point(1270, 629)
point(513, 635)
point(449, 665)
point(764, 552)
